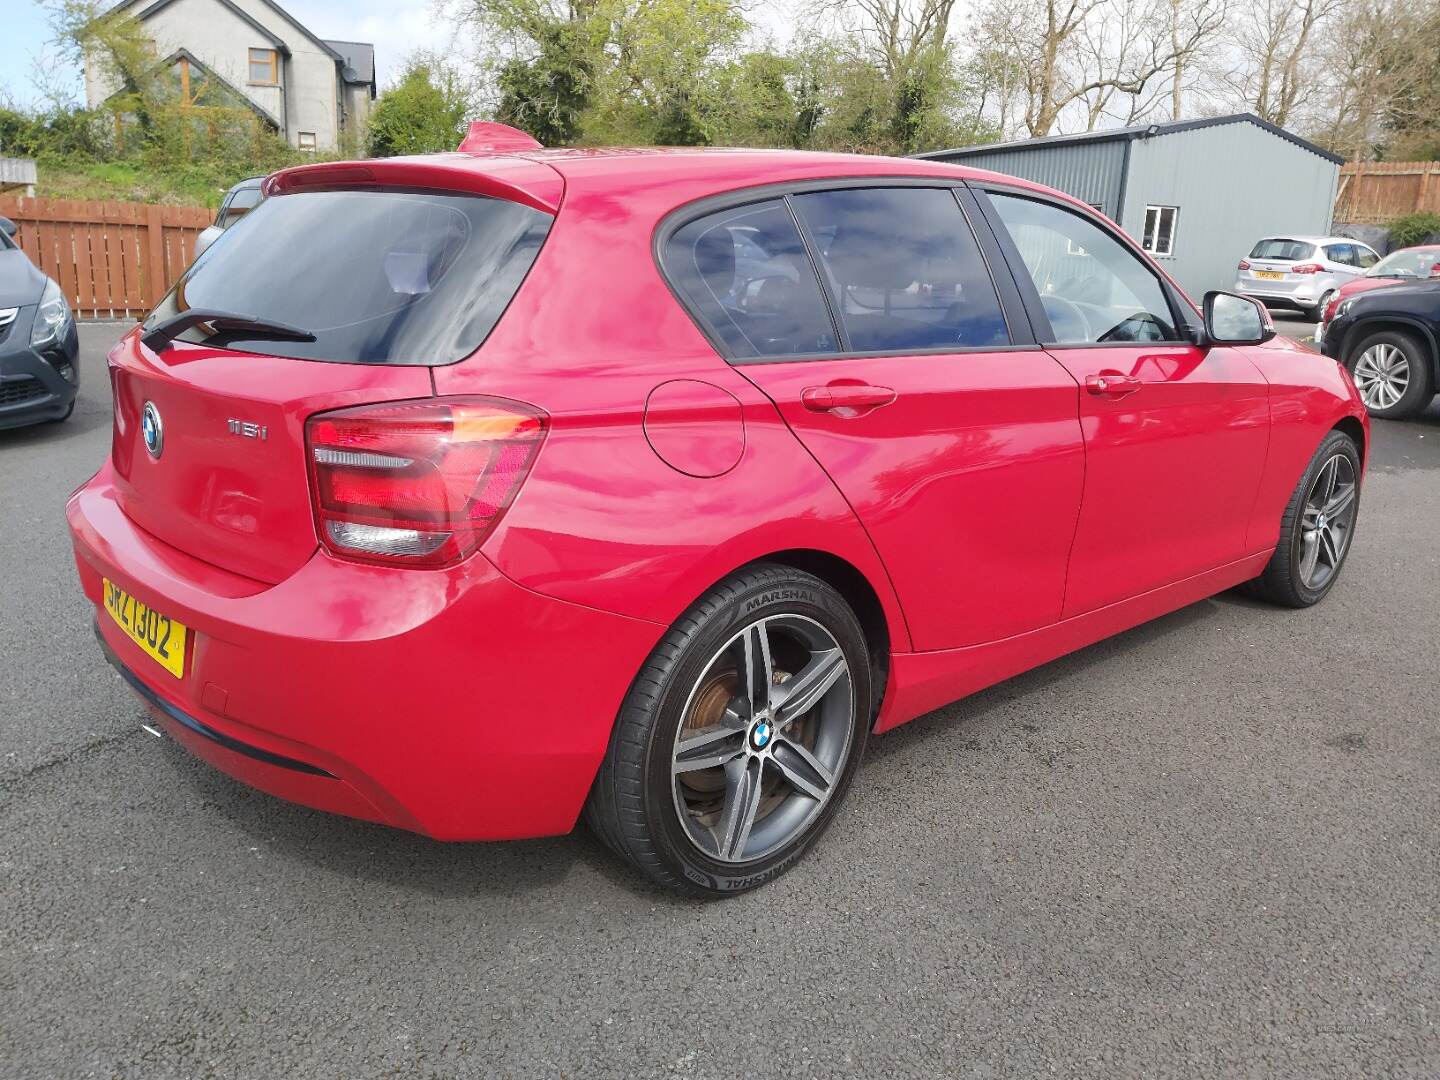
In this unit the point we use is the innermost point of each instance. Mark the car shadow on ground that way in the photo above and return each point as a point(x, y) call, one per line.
point(85, 419)
point(392, 857)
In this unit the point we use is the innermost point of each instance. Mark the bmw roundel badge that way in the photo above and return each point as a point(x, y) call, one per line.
point(761, 735)
point(152, 430)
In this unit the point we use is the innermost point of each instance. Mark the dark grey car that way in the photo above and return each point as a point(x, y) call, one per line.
point(39, 375)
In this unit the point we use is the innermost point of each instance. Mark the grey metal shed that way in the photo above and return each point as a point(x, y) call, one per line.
point(1196, 193)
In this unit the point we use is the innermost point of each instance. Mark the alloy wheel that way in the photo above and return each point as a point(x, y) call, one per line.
point(764, 738)
point(1382, 375)
point(1327, 521)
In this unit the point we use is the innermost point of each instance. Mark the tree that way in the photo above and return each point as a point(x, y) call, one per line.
point(1098, 58)
point(423, 112)
point(1275, 42)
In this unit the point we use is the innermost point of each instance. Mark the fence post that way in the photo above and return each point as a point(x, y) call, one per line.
point(154, 254)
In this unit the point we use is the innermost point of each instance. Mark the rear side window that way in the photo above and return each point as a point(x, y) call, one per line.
point(746, 273)
point(379, 277)
point(1286, 250)
point(905, 269)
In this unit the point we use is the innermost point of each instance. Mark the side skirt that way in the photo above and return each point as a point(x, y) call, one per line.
point(920, 682)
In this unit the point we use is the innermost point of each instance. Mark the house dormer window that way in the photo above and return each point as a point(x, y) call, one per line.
point(264, 67)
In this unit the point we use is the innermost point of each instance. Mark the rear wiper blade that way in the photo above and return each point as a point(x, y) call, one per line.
point(159, 336)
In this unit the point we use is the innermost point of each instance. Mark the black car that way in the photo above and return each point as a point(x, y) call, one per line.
point(39, 374)
point(1389, 339)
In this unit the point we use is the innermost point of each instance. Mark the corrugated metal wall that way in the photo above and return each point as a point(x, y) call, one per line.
point(1233, 184)
point(1090, 171)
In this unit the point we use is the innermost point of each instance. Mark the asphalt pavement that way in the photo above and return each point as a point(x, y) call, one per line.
point(1209, 847)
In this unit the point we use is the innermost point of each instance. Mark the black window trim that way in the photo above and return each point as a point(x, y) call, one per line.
point(1013, 309)
point(1182, 313)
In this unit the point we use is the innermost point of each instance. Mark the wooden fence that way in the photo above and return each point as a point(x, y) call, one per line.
point(1379, 191)
point(113, 259)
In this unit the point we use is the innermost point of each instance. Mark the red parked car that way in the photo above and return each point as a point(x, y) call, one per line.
point(477, 492)
point(1402, 265)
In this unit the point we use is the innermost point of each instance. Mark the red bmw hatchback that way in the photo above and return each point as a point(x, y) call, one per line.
point(478, 492)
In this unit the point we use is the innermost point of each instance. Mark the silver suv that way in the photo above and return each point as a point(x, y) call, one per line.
point(1302, 272)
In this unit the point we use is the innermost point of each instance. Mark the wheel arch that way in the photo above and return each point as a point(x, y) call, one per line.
point(1352, 427)
point(1400, 323)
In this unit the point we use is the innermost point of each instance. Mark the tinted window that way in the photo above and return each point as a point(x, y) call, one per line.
point(240, 203)
point(1343, 254)
point(905, 269)
point(1093, 287)
point(377, 277)
point(747, 274)
point(1286, 250)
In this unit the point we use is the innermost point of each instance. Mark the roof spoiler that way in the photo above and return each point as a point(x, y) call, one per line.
point(515, 178)
point(488, 137)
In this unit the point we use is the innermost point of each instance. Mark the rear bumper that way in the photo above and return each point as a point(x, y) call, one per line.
point(452, 703)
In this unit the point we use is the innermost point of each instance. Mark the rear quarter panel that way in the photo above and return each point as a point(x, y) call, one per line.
point(602, 520)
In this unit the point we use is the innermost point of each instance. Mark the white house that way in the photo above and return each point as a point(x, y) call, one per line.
point(310, 89)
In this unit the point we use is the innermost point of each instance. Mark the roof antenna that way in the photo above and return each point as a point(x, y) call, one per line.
point(488, 137)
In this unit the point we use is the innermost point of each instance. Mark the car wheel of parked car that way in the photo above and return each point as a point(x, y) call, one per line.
point(1317, 527)
point(739, 737)
point(1393, 374)
point(1316, 313)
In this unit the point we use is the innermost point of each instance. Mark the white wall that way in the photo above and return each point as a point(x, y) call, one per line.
point(306, 100)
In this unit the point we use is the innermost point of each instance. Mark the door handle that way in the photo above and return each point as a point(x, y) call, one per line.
point(1112, 384)
point(845, 396)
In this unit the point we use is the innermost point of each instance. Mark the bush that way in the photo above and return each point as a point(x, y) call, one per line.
point(1414, 229)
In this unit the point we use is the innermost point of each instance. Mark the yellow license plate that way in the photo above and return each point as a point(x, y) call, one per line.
point(159, 635)
point(1270, 275)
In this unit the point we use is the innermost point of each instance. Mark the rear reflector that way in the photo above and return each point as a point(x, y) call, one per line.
point(418, 483)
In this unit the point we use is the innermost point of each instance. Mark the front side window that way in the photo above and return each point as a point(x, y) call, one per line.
point(747, 275)
point(1103, 294)
point(1159, 237)
point(905, 269)
point(1366, 257)
point(263, 66)
point(378, 277)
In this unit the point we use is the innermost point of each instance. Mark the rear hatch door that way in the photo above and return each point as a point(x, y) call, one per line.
point(386, 283)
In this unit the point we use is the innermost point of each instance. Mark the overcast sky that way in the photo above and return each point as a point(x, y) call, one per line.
point(396, 27)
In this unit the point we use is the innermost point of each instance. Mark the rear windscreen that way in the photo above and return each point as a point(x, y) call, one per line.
point(1289, 250)
point(378, 277)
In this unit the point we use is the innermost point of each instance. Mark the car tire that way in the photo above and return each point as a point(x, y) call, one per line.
point(678, 815)
point(1392, 398)
point(1317, 528)
point(1316, 313)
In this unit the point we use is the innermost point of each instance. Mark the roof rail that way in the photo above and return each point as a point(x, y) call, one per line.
point(488, 137)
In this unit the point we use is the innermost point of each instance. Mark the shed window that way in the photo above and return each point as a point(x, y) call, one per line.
point(263, 66)
point(306, 141)
point(1159, 236)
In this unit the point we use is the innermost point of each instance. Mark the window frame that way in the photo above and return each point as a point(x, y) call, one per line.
point(1160, 209)
point(1184, 316)
point(274, 65)
point(1013, 307)
point(300, 142)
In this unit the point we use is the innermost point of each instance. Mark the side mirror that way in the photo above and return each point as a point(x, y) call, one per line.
point(8, 227)
point(1231, 319)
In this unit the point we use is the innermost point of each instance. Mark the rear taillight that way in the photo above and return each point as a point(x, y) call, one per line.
point(1244, 264)
point(1330, 310)
point(1306, 268)
point(418, 483)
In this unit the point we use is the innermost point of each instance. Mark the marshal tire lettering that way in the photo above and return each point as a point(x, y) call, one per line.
point(777, 595)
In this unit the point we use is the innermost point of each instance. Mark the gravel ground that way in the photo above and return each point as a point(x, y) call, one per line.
point(1207, 847)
